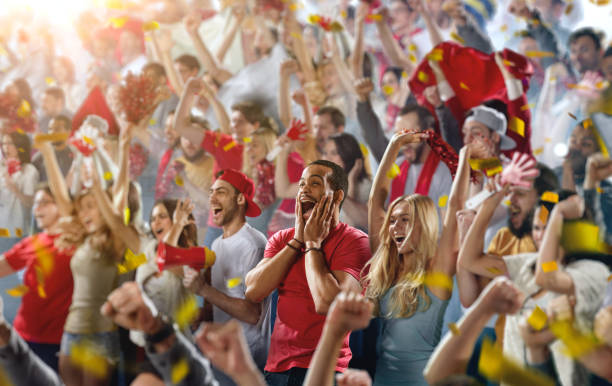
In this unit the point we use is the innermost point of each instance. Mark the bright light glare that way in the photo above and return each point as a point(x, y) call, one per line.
point(57, 12)
point(560, 150)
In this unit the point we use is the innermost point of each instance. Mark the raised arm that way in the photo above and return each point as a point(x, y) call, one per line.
point(445, 260)
point(370, 125)
point(239, 13)
point(467, 28)
point(209, 62)
point(182, 120)
point(552, 278)
point(220, 113)
point(114, 220)
point(358, 50)
point(382, 182)
point(435, 36)
point(349, 311)
point(391, 47)
point(453, 353)
point(162, 43)
point(57, 184)
point(282, 186)
point(121, 184)
point(287, 68)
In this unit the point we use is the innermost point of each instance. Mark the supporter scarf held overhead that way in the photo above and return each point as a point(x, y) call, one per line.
point(424, 181)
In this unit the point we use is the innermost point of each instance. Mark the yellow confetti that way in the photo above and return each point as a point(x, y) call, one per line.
point(405, 74)
point(455, 36)
point(343, 14)
point(86, 356)
point(507, 203)
point(117, 22)
point(152, 122)
point(507, 63)
point(88, 140)
point(313, 19)
point(295, 6)
point(393, 172)
point(179, 371)
point(550, 266)
point(464, 86)
point(442, 201)
point(582, 236)
point(187, 312)
point(576, 343)
point(610, 278)
point(18, 232)
point(5, 232)
point(364, 150)
point(234, 282)
point(18, 291)
point(247, 139)
point(20, 131)
point(296, 35)
point(412, 58)
point(412, 47)
point(108, 176)
point(21, 150)
point(543, 214)
point(422, 77)
point(45, 259)
point(538, 151)
point(602, 84)
point(503, 28)
point(50, 81)
point(150, 26)
point(569, 8)
point(131, 262)
point(494, 366)
point(493, 171)
point(600, 2)
point(599, 189)
point(517, 125)
point(587, 123)
point(126, 215)
point(178, 180)
point(374, 17)
point(484, 163)
point(537, 319)
point(528, 106)
point(539, 54)
point(452, 327)
point(439, 279)
point(388, 90)
point(495, 271)
point(436, 55)
point(550, 197)
point(24, 110)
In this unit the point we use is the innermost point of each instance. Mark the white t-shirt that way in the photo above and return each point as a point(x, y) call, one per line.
point(236, 256)
point(13, 215)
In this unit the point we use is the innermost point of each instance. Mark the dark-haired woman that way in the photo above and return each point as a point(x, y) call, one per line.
point(18, 179)
point(344, 150)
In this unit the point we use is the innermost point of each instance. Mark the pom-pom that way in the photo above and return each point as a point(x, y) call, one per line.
point(137, 97)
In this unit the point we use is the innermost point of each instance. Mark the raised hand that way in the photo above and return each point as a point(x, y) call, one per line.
point(349, 311)
point(571, 208)
point(406, 136)
point(127, 308)
point(363, 87)
point(288, 67)
point(591, 86)
point(299, 97)
point(433, 96)
point(520, 172)
point(599, 167)
point(193, 280)
point(603, 325)
point(501, 297)
point(320, 221)
point(192, 22)
point(355, 171)
point(519, 8)
point(182, 212)
point(227, 349)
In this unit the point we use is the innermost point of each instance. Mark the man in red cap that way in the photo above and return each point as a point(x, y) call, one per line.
point(238, 250)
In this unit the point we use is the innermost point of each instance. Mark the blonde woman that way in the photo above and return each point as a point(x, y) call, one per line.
point(409, 278)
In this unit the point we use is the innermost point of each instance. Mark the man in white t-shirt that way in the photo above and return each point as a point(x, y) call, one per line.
point(238, 250)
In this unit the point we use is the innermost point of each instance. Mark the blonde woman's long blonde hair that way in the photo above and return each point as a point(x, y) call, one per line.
point(386, 270)
point(268, 137)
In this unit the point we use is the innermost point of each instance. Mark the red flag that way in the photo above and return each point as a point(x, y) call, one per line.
point(95, 104)
point(475, 77)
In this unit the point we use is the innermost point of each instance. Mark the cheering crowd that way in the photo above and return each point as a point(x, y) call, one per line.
point(316, 192)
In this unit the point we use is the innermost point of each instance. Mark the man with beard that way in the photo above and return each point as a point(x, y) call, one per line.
point(309, 264)
point(420, 169)
point(582, 145)
point(238, 250)
point(63, 153)
point(585, 50)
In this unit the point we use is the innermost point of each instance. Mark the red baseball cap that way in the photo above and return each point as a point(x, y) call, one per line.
point(245, 186)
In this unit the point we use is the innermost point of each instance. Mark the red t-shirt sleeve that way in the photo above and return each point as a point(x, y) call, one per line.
point(277, 242)
point(18, 256)
point(352, 255)
point(227, 152)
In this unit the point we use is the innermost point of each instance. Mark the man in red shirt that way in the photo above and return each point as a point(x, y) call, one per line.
point(309, 264)
point(47, 281)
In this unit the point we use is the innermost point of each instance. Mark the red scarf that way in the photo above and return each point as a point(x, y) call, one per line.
point(425, 177)
point(161, 169)
point(13, 166)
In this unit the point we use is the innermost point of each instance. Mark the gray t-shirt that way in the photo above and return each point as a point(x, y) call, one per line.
point(236, 256)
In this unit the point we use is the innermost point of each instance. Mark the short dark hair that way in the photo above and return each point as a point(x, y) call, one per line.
point(563, 194)
point(67, 121)
point(547, 180)
point(597, 37)
point(608, 52)
point(157, 68)
point(338, 180)
point(426, 120)
point(189, 61)
point(56, 92)
point(337, 117)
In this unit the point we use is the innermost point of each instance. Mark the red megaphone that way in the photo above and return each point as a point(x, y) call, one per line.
point(195, 257)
